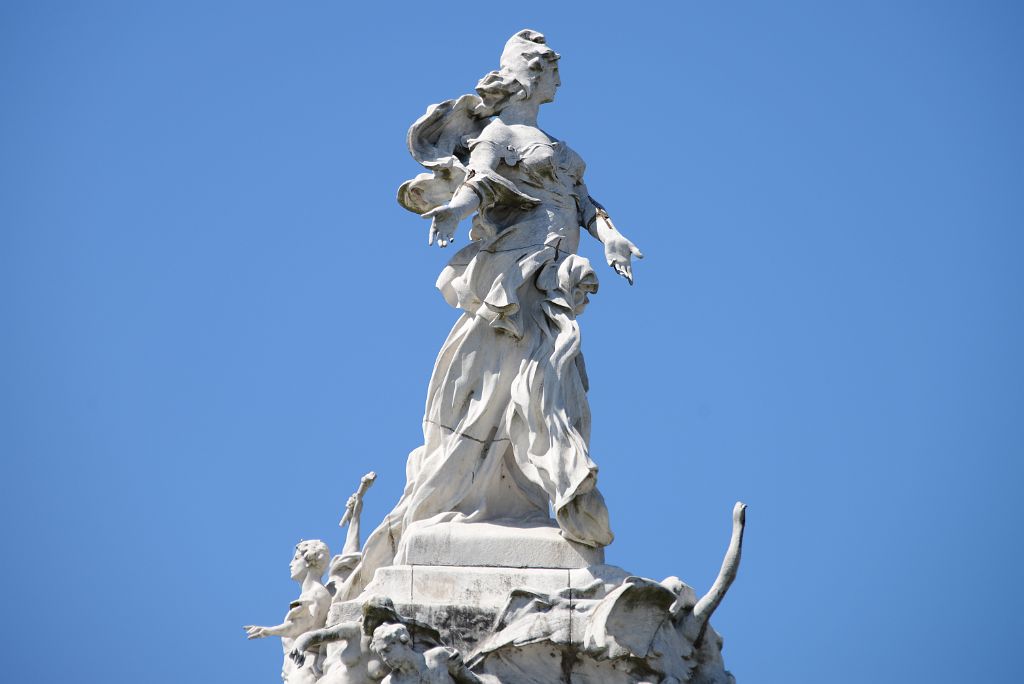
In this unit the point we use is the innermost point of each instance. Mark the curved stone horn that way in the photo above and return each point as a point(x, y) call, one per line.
point(730, 566)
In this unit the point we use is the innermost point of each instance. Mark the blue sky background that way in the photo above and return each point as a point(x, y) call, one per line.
point(216, 318)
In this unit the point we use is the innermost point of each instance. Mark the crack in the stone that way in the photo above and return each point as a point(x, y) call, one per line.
point(463, 434)
point(512, 249)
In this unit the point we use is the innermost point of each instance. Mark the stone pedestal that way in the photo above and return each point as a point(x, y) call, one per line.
point(491, 544)
point(457, 577)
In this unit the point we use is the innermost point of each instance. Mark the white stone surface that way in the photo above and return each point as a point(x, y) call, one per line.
point(307, 612)
point(394, 646)
point(342, 565)
point(639, 631)
point(469, 561)
point(480, 587)
point(494, 545)
point(507, 423)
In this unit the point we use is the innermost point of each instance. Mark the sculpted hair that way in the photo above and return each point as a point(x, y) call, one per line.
point(315, 553)
point(497, 89)
point(524, 59)
point(390, 633)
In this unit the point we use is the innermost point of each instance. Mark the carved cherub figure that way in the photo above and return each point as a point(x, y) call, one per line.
point(639, 631)
point(342, 651)
point(307, 612)
point(349, 656)
point(440, 665)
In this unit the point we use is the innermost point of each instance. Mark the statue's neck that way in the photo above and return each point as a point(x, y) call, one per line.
point(309, 581)
point(522, 113)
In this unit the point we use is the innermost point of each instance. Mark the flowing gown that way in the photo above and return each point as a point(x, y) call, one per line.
point(507, 423)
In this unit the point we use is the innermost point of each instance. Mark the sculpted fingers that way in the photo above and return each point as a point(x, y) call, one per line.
point(442, 226)
point(623, 268)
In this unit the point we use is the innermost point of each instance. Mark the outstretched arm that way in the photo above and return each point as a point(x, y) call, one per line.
point(257, 632)
point(618, 249)
point(310, 640)
point(301, 612)
point(445, 218)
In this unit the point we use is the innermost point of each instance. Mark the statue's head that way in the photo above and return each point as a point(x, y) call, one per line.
point(311, 556)
point(686, 597)
point(528, 69)
point(393, 643)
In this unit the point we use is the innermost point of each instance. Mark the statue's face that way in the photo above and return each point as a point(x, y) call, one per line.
point(392, 651)
point(548, 82)
point(297, 566)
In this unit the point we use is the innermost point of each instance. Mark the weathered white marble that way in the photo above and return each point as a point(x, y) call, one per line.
point(492, 544)
point(478, 587)
point(639, 631)
point(507, 424)
point(469, 579)
point(346, 656)
point(343, 564)
point(308, 611)
point(394, 646)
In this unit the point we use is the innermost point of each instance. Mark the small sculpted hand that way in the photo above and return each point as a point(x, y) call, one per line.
point(458, 671)
point(618, 252)
point(443, 222)
point(455, 660)
point(255, 632)
point(300, 646)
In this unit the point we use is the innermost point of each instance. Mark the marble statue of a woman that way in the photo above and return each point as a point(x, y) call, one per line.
point(507, 423)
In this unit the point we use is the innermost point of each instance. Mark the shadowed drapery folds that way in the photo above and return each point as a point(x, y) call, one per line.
point(507, 424)
point(507, 399)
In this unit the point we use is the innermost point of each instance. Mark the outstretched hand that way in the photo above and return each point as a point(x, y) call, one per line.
point(255, 632)
point(618, 252)
point(443, 222)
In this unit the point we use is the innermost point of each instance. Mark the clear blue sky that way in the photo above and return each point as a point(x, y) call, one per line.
point(216, 318)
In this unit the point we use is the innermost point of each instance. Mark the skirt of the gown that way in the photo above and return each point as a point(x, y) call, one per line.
point(506, 425)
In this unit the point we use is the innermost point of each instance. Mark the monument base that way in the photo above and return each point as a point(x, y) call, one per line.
point(492, 544)
point(518, 603)
point(463, 602)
